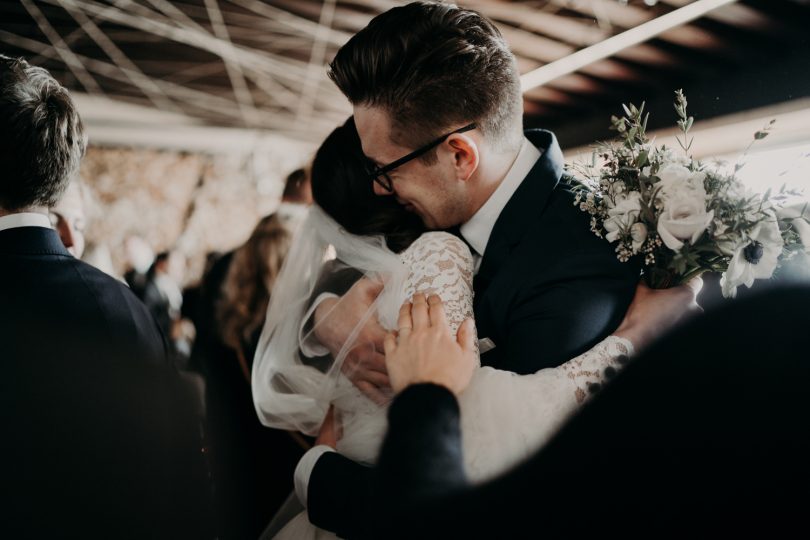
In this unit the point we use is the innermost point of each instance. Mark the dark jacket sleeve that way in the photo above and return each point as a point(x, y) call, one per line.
point(555, 315)
point(556, 323)
point(421, 460)
point(339, 496)
point(422, 454)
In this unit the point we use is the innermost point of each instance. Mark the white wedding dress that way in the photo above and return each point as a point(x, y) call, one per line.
point(505, 417)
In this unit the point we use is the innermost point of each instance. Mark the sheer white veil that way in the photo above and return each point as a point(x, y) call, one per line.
point(291, 391)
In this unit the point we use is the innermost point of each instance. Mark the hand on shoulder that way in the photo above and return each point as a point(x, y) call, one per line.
point(424, 351)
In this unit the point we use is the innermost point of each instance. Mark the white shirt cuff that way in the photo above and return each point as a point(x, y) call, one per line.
point(304, 470)
point(309, 345)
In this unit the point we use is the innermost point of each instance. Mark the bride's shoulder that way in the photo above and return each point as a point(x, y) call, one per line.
point(440, 242)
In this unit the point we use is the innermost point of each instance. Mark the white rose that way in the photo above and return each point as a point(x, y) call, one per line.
point(673, 173)
point(755, 259)
point(622, 215)
point(677, 182)
point(683, 219)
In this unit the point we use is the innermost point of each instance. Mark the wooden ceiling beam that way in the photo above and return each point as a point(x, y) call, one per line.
point(547, 94)
point(346, 19)
point(535, 47)
point(544, 51)
point(738, 16)
point(608, 14)
point(574, 83)
point(581, 84)
point(563, 29)
point(201, 101)
point(615, 14)
point(536, 109)
point(645, 53)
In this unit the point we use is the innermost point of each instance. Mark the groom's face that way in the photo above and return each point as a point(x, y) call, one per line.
point(430, 191)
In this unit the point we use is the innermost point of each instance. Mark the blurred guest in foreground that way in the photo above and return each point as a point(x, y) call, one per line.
point(699, 436)
point(101, 437)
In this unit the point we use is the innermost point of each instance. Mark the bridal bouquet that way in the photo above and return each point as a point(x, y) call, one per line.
point(683, 217)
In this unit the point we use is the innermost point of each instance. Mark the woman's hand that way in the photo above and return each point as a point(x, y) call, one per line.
point(331, 431)
point(335, 319)
point(653, 312)
point(424, 351)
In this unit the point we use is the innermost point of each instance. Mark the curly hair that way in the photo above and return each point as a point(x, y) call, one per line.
point(245, 292)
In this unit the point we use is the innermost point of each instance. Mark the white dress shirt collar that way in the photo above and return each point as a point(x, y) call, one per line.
point(477, 230)
point(24, 219)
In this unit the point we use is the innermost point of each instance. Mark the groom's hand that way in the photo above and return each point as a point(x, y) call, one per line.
point(654, 312)
point(336, 318)
point(330, 431)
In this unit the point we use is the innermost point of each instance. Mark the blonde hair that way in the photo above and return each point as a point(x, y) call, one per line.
point(254, 268)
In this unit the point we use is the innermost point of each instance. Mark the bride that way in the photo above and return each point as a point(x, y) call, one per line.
point(505, 417)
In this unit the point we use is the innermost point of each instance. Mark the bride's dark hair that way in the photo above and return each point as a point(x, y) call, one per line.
point(341, 186)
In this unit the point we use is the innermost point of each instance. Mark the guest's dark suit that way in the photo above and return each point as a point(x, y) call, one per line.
point(547, 290)
point(101, 437)
point(705, 435)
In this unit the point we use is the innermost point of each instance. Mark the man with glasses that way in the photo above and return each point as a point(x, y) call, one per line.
point(438, 107)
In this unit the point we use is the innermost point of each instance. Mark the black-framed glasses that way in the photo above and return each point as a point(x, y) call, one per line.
point(380, 174)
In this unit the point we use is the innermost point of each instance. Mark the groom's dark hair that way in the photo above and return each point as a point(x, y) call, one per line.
point(433, 67)
point(42, 139)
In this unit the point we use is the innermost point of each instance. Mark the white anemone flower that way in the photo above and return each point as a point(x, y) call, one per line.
point(755, 259)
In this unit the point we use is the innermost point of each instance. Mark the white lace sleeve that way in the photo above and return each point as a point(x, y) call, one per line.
point(506, 417)
point(442, 264)
point(591, 369)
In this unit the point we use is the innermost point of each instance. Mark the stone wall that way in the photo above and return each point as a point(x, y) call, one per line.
point(193, 203)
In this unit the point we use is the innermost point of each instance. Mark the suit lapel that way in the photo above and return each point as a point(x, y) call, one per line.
point(527, 203)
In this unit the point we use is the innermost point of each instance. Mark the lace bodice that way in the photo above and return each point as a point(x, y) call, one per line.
point(442, 264)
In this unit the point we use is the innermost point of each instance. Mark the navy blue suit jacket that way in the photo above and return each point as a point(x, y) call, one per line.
point(101, 437)
point(548, 289)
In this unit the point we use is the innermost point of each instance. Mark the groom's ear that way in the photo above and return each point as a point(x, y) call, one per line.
point(465, 155)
